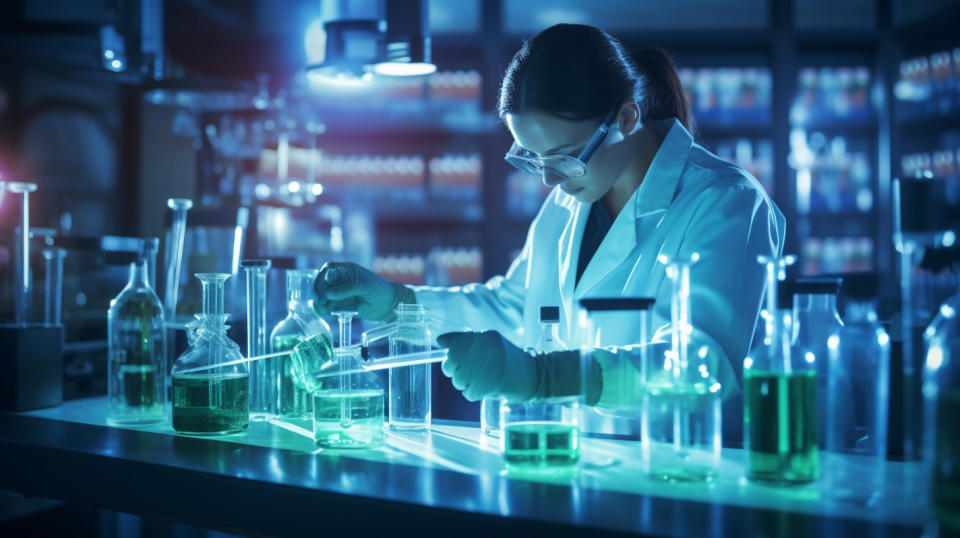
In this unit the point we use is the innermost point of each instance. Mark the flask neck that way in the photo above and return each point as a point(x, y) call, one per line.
point(212, 300)
point(411, 314)
point(817, 304)
point(138, 274)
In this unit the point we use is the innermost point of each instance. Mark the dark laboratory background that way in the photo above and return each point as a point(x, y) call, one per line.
point(114, 106)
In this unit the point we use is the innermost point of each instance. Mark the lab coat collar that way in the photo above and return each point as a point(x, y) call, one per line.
point(638, 218)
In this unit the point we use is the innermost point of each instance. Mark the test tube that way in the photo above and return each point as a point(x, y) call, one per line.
point(53, 285)
point(22, 273)
point(178, 230)
point(345, 320)
point(264, 375)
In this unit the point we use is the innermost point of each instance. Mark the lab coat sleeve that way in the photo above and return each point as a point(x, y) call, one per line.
point(496, 304)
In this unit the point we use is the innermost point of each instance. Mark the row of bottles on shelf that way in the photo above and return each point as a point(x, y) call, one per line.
point(728, 96)
point(943, 163)
point(830, 94)
point(455, 175)
point(442, 266)
point(525, 194)
point(837, 255)
point(830, 175)
point(929, 84)
point(459, 86)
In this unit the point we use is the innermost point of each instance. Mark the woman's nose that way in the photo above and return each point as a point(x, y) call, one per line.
point(550, 179)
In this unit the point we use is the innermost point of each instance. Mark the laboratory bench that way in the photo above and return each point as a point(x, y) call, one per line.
point(272, 479)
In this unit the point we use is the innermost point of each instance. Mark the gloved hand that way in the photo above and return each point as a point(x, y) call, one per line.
point(487, 364)
point(347, 286)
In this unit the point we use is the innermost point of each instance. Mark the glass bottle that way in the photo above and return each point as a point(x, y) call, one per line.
point(779, 385)
point(136, 391)
point(941, 392)
point(542, 436)
point(301, 321)
point(410, 386)
point(858, 397)
point(217, 399)
point(816, 318)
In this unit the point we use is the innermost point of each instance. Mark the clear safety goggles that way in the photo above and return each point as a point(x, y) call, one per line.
point(565, 166)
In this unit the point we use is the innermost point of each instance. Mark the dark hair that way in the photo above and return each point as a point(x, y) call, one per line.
point(580, 72)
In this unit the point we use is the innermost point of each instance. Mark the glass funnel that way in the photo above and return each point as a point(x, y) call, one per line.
point(136, 370)
point(302, 322)
point(780, 392)
point(215, 401)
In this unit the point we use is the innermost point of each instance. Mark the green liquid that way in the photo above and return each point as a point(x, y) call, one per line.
point(211, 404)
point(294, 401)
point(362, 428)
point(541, 445)
point(946, 470)
point(780, 418)
point(140, 388)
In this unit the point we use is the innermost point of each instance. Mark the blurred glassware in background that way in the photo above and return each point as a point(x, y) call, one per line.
point(858, 396)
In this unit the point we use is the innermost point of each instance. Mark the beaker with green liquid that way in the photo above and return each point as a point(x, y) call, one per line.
point(780, 392)
point(215, 400)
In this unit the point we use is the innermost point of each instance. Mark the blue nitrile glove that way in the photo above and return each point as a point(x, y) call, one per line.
point(347, 286)
point(487, 364)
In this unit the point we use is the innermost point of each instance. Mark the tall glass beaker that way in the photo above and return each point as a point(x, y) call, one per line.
point(779, 385)
point(264, 374)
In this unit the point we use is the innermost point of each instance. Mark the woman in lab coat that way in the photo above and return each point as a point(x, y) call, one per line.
point(611, 135)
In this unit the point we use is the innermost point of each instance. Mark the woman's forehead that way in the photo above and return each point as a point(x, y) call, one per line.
point(544, 133)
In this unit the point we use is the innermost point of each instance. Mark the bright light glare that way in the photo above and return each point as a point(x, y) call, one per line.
point(315, 42)
point(316, 189)
point(404, 69)
point(934, 357)
point(294, 186)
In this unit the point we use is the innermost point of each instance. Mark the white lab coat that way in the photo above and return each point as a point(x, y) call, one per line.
point(689, 201)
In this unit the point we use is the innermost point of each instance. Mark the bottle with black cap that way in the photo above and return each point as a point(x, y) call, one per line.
point(542, 436)
point(858, 396)
point(816, 318)
point(941, 392)
point(780, 417)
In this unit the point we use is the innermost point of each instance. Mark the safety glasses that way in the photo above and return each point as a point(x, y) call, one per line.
point(565, 166)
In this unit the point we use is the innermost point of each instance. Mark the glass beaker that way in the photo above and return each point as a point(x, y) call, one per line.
point(941, 393)
point(136, 388)
point(780, 387)
point(347, 408)
point(217, 400)
point(409, 386)
point(858, 397)
point(264, 374)
point(542, 436)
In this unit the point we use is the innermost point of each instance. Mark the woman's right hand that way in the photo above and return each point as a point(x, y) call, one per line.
point(349, 287)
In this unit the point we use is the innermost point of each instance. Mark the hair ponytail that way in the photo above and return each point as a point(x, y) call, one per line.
point(663, 95)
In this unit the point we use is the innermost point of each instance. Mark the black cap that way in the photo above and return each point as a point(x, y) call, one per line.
point(550, 313)
point(927, 204)
point(784, 294)
point(617, 303)
point(817, 285)
point(860, 286)
point(254, 263)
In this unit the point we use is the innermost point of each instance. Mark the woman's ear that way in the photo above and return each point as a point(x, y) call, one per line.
point(628, 119)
